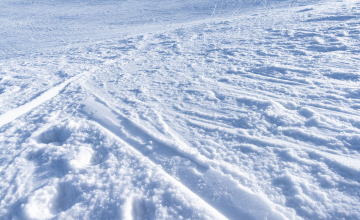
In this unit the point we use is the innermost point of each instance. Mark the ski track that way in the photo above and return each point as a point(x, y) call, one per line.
point(114, 130)
point(249, 114)
point(137, 136)
point(110, 123)
point(13, 114)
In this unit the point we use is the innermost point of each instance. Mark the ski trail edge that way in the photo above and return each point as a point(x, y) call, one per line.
point(13, 114)
point(213, 211)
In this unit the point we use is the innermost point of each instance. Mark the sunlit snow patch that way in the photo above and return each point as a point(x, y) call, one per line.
point(40, 203)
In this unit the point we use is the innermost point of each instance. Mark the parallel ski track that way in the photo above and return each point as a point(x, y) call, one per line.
point(213, 210)
point(105, 120)
point(115, 130)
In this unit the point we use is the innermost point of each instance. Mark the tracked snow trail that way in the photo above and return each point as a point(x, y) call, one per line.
point(250, 115)
point(11, 115)
point(163, 152)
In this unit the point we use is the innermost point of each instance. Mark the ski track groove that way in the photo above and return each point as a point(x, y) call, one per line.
point(115, 129)
point(168, 176)
point(113, 121)
point(13, 114)
point(272, 97)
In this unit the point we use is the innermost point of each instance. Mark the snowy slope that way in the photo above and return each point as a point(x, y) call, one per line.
point(179, 109)
point(29, 26)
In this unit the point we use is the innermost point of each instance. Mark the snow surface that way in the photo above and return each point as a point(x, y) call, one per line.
point(179, 109)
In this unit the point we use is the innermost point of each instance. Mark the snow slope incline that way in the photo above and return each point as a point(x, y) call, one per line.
point(46, 25)
point(251, 115)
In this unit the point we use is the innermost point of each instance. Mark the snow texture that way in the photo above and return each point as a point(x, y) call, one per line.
point(129, 109)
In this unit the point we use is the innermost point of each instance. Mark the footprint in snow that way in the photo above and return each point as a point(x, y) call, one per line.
point(57, 135)
point(48, 201)
point(62, 148)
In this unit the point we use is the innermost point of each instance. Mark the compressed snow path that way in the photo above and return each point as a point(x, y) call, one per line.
point(17, 112)
point(179, 109)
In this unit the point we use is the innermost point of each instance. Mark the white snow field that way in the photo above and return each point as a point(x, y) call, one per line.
point(149, 109)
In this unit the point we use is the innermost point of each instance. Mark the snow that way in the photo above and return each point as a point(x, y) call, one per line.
point(11, 115)
point(179, 109)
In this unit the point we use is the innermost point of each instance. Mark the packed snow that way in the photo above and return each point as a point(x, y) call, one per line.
point(129, 109)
